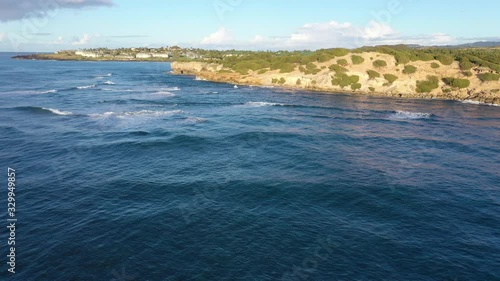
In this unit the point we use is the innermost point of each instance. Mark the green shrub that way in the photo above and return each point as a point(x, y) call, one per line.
point(390, 78)
point(485, 77)
point(343, 80)
point(357, 59)
point(425, 57)
point(444, 59)
point(379, 63)
point(447, 90)
point(299, 82)
point(287, 68)
point(337, 68)
point(465, 64)
point(435, 65)
point(371, 89)
point(282, 81)
point(373, 74)
point(409, 69)
point(468, 73)
point(342, 62)
point(401, 58)
point(456, 82)
point(275, 81)
point(262, 71)
point(426, 86)
point(355, 86)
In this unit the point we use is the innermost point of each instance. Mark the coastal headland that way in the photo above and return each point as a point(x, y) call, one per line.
point(466, 74)
point(429, 74)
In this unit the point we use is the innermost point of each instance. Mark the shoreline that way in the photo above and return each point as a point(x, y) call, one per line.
point(216, 73)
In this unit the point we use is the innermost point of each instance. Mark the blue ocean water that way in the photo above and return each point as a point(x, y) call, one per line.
point(125, 172)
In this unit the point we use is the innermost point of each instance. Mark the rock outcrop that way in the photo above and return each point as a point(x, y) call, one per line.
point(405, 85)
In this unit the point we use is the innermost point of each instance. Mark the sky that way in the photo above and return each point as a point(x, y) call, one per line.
point(51, 25)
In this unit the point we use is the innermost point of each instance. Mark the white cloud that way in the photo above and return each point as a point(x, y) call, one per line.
point(59, 41)
point(17, 9)
point(257, 39)
point(220, 37)
point(82, 41)
point(330, 34)
point(2, 36)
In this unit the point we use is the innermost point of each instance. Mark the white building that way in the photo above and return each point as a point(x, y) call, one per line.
point(143, 56)
point(166, 56)
point(87, 54)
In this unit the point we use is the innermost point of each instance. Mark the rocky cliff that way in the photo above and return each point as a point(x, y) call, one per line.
point(391, 80)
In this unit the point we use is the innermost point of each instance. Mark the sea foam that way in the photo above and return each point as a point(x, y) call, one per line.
point(86, 87)
point(58, 112)
point(410, 115)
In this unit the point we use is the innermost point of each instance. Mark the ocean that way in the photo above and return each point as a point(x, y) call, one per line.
point(125, 172)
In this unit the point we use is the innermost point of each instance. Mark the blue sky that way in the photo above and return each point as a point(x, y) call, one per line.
point(50, 25)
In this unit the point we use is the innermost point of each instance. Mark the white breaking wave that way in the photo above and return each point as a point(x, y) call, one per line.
point(58, 112)
point(109, 82)
point(166, 94)
point(479, 103)
point(144, 113)
point(47, 92)
point(262, 104)
point(86, 87)
point(195, 120)
point(170, 89)
point(410, 115)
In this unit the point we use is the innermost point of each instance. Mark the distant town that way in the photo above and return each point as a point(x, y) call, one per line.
point(170, 53)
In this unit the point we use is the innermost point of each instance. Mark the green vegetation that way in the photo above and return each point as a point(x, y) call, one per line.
point(371, 89)
point(468, 73)
point(486, 77)
point(426, 86)
point(310, 68)
point(390, 78)
point(299, 82)
point(282, 81)
point(262, 71)
point(355, 86)
point(343, 80)
point(456, 82)
point(435, 65)
point(409, 69)
point(373, 74)
point(483, 57)
point(379, 63)
point(357, 59)
point(445, 59)
point(286, 68)
point(342, 62)
point(337, 68)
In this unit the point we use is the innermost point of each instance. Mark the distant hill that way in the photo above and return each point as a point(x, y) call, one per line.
point(482, 44)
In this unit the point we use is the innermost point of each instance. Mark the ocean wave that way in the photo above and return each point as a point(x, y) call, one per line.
point(165, 93)
point(262, 104)
point(410, 115)
point(195, 120)
point(102, 76)
point(109, 83)
point(170, 89)
point(42, 110)
point(86, 87)
point(47, 92)
point(58, 112)
point(143, 113)
point(478, 103)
